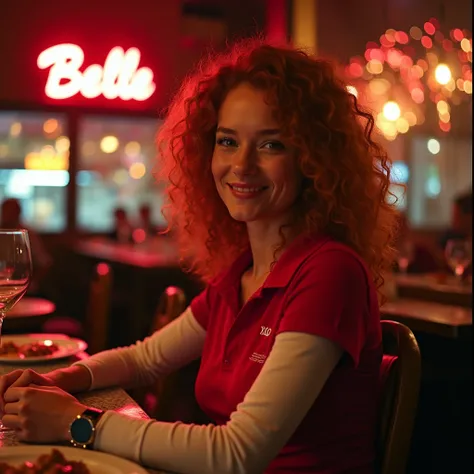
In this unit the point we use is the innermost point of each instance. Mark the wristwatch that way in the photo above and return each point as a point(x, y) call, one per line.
point(82, 428)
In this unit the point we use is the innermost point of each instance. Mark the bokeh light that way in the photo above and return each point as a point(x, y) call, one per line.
point(391, 111)
point(407, 76)
point(433, 146)
point(137, 170)
point(442, 74)
point(109, 144)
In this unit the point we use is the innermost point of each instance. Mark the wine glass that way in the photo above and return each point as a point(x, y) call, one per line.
point(458, 255)
point(15, 272)
point(406, 251)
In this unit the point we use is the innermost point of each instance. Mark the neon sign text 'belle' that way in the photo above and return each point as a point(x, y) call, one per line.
point(120, 77)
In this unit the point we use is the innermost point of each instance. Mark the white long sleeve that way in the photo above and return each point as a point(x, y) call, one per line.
point(141, 364)
point(261, 425)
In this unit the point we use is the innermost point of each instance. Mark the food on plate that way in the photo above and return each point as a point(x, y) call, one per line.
point(9, 349)
point(34, 349)
point(38, 349)
point(52, 463)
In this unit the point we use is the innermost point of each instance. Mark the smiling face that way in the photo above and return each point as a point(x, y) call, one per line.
point(254, 168)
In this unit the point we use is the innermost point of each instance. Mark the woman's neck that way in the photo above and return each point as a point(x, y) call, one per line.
point(265, 238)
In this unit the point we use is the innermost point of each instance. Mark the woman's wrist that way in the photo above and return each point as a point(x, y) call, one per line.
point(73, 379)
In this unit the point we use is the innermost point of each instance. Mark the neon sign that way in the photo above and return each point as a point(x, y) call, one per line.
point(120, 77)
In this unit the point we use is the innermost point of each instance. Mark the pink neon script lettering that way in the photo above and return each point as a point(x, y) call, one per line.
point(120, 77)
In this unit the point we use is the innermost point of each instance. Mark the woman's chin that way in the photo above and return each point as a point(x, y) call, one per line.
point(242, 216)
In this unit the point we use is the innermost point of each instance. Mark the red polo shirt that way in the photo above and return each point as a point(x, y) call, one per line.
point(303, 293)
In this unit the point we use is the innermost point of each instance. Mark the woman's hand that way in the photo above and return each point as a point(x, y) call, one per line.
point(40, 414)
point(21, 378)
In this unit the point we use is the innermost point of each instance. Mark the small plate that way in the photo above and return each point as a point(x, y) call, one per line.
point(67, 347)
point(96, 461)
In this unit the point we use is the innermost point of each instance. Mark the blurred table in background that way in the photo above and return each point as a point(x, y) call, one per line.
point(158, 253)
point(439, 288)
point(430, 317)
point(141, 272)
point(28, 315)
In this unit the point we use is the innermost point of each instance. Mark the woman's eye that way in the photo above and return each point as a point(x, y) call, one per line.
point(274, 146)
point(225, 141)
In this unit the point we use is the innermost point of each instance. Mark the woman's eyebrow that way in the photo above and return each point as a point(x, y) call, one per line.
point(263, 132)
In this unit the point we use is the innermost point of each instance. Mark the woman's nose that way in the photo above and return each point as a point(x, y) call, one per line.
point(244, 162)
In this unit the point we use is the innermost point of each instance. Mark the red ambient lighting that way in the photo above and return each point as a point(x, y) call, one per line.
point(120, 77)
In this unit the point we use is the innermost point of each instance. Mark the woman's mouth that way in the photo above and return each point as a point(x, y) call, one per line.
point(245, 191)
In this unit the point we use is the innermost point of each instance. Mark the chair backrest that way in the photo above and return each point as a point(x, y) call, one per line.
point(170, 305)
point(98, 308)
point(398, 398)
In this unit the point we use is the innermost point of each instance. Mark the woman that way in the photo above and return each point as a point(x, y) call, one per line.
point(278, 191)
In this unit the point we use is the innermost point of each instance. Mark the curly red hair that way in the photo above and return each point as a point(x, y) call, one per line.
point(347, 174)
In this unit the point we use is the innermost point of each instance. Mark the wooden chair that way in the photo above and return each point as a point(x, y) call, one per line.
point(170, 305)
point(96, 325)
point(399, 387)
point(172, 399)
point(98, 309)
point(160, 399)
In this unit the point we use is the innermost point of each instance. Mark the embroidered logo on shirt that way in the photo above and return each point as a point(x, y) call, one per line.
point(264, 331)
point(259, 358)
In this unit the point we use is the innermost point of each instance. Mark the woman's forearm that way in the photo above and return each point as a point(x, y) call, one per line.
point(73, 379)
point(145, 362)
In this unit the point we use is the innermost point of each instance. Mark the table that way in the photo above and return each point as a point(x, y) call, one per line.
point(141, 273)
point(434, 318)
point(28, 314)
point(29, 307)
point(106, 399)
point(158, 254)
point(443, 289)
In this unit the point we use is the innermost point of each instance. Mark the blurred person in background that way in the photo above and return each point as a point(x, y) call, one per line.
point(461, 220)
point(460, 229)
point(10, 218)
point(269, 163)
point(122, 231)
point(412, 256)
point(144, 221)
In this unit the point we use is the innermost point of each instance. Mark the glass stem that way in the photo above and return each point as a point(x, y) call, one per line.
point(2, 317)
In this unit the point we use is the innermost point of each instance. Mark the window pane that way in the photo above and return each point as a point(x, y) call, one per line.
point(34, 164)
point(117, 157)
point(440, 168)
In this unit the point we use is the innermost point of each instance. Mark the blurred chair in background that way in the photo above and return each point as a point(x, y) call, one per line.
point(400, 376)
point(172, 399)
point(170, 305)
point(95, 330)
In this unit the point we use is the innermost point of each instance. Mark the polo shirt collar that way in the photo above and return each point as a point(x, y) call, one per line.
point(294, 255)
point(292, 258)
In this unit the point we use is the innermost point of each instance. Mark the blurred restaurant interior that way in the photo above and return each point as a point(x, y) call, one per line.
point(79, 157)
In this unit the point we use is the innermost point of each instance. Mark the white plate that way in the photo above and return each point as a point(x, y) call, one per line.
point(67, 347)
point(97, 462)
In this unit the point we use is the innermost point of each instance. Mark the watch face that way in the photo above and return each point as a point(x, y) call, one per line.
point(82, 430)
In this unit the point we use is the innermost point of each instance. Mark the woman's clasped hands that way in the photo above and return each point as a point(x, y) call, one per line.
point(35, 408)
